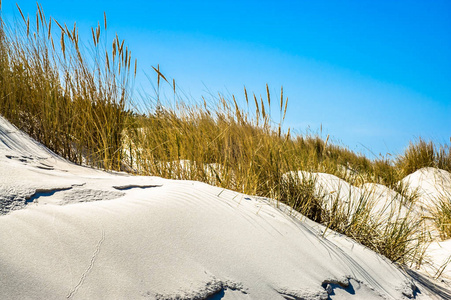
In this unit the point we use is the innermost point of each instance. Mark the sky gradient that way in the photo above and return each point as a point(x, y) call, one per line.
point(372, 74)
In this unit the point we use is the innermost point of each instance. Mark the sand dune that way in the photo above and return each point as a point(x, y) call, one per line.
point(430, 184)
point(78, 233)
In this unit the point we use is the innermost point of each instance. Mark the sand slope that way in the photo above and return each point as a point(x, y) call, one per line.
point(70, 232)
point(430, 184)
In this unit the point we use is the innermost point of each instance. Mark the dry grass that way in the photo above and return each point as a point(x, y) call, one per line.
point(442, 214)
point(73, 103)
point(424, 154)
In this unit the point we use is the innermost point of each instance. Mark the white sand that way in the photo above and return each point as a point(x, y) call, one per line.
point(438, 260)
point(429, 184)
point(88, 234)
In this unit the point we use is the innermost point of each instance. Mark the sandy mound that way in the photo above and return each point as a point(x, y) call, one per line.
point(430, 184)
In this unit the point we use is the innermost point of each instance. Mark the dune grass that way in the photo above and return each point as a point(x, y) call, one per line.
point(424, 154)
point(442, 214)
point(72, 103)
point(78, 105)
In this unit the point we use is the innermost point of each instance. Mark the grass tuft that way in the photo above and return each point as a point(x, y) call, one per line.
point(63, 98)
point(424, 154)
point(442, 214)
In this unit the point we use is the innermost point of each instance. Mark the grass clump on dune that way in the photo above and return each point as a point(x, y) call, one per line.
point(442, 214)
point(73, 103)
point(424, 154)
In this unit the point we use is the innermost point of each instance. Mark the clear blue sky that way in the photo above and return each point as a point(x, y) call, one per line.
point(373, 74)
